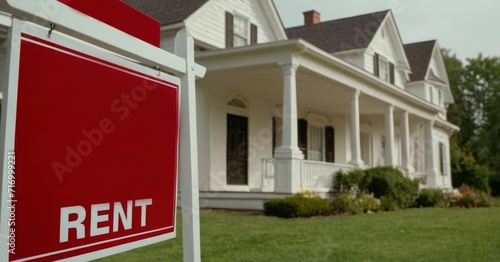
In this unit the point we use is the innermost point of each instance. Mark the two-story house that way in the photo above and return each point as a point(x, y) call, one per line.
point(281, 110)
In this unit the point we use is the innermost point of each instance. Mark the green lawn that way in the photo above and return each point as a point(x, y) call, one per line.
point(411, 235)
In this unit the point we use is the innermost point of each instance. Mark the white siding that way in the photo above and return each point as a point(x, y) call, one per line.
point(356, 59)
point(418, 90)
point(208, 24)
point(203, 122)
point(259, 114)
point(436, 68)
point(441, 136)
point(383, 44)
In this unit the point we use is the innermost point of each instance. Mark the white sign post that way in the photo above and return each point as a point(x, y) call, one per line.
point(188, 169)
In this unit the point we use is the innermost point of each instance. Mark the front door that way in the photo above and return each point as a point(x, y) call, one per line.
point(237, 150)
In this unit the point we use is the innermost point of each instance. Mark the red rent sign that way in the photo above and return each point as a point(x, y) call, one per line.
point(96, 147)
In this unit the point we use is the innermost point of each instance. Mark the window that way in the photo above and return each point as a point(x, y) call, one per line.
point(316, 142)
point(383, 68)
point(418, 150)
point(315, 150)
point(237, 103)
point(239, 32)
point(441, 158)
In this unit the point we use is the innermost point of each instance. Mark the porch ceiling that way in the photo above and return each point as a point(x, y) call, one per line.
point(314, 94)
point(324, 96)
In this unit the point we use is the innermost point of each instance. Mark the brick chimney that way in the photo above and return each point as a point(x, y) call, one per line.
point(312, 17)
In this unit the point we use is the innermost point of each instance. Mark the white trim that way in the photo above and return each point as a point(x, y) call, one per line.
point(237, 188)
point(8, 127)
point(240, 98)
point(236, 34)
point(274, 19)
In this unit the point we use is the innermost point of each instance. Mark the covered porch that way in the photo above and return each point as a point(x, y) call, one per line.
point(284, 117)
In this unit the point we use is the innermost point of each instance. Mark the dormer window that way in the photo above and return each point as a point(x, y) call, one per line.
point(383, 68)
point(239, 31)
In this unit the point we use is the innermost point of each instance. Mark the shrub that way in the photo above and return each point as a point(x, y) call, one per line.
point(355, 181)
point(280, 208)
point(388, 203)
point(346, 203)
point(298, 205)
point(495, 184)
point(368, 203)
point(432, 198)
point(397, 190)
point(468, 172)
point(469, 198)
point(343, 203)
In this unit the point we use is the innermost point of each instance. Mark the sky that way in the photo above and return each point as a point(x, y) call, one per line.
point(466, 27)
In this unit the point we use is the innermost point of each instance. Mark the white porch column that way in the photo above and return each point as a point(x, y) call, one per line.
point(355, 132)
point(389, 154)
point(430, 155)
point(288, 157)
point(405, 142)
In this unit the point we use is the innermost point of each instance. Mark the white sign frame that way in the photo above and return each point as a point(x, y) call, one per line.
point(88, 29)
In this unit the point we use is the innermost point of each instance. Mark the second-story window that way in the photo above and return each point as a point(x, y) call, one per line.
point(239, 31)
point(383, 68)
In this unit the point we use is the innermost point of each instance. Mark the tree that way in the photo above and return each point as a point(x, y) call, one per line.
point(476, 91)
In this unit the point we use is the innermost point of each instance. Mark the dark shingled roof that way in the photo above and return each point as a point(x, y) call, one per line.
point(419, 57)
point(167, 11)
point(342, 34)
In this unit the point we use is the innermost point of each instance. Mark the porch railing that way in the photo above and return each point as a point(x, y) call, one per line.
point(268, 175)
point(318, 176)
point(315, 176)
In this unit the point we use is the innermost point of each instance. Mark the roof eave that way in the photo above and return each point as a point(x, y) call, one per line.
point(303, 47)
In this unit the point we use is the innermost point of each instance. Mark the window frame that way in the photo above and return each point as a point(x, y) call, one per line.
point(384, 73)
point(245, 30)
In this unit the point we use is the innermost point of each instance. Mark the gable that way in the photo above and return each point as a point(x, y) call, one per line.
point(208, 23)
point(419, 55)
point(437, 70)
point(427, 65)
point(387, 43)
